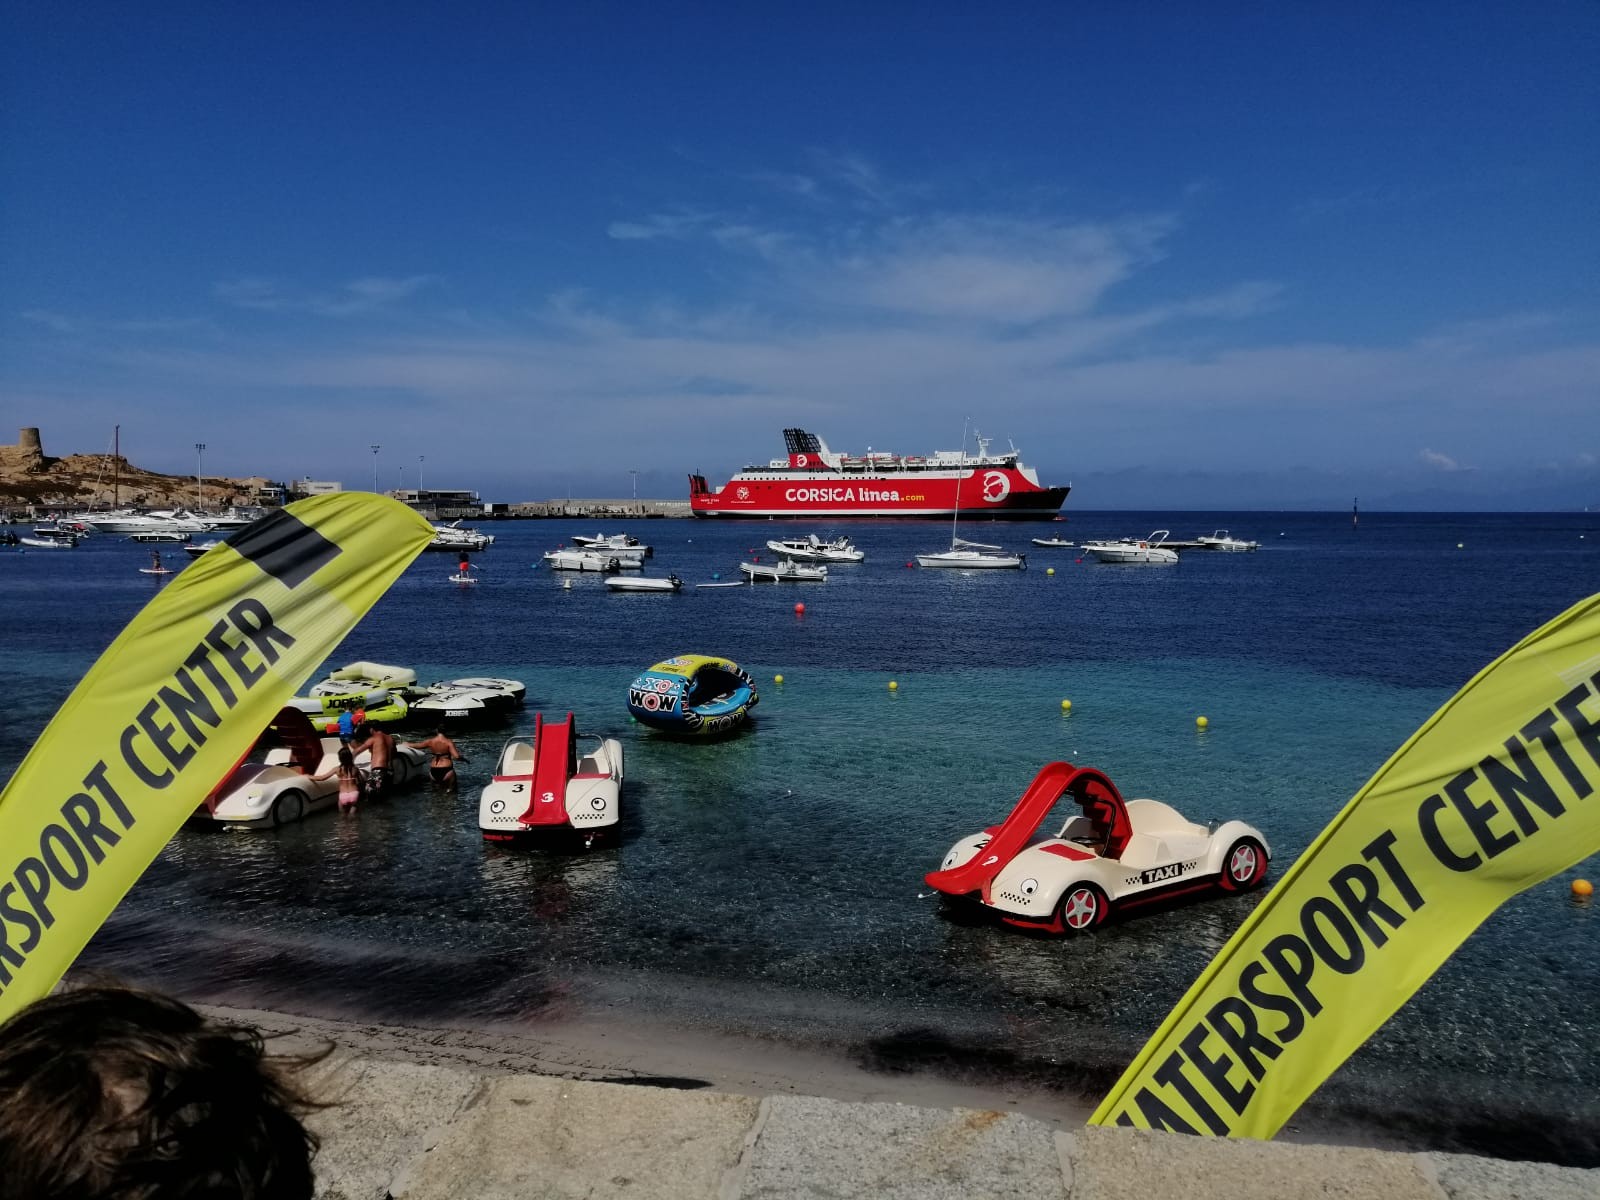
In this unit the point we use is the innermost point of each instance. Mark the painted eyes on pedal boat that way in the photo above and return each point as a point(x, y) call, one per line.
point(1029, 887)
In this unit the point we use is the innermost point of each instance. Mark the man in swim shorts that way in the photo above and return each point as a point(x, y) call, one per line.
point(380, 766)
point(445, 757)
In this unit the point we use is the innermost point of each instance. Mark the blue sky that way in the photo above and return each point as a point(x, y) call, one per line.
point(1185, 255)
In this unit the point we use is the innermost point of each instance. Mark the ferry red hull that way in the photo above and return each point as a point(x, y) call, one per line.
point(984, 494)
point(814, 481)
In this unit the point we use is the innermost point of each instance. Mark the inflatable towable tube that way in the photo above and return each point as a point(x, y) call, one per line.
point(376, 707)
point(693, 694)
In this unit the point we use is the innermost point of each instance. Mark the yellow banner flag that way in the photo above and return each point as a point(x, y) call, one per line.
point(1493, 794)
point(169, 708)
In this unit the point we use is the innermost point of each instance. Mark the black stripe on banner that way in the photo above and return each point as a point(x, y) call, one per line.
point(285, 547)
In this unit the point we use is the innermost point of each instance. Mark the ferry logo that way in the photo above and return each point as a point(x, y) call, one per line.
point(996, 487)
point(800, 460)
point(743, 493)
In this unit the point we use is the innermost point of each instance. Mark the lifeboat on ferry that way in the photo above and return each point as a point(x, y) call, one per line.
point(548, 786)
point(697, 695)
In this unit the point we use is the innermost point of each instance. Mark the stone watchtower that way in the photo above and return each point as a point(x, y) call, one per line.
point(27, 454)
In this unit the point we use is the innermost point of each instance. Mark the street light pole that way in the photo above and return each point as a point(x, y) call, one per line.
point(420, 457)
point(199, 474)
point(635, 475)
point(375, 450)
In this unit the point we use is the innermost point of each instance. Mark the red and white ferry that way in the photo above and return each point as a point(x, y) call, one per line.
point(815, 481)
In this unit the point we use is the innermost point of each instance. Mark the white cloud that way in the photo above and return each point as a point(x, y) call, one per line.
point(355, 298)
point(1442, 462)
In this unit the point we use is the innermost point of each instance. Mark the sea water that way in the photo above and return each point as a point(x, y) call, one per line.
point(769, 885)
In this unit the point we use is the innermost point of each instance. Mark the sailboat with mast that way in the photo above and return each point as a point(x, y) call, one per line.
point(967, 555)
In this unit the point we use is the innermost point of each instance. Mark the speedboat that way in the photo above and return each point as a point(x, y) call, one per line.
point(546, 785)
point(973, 556)
point(811, 548)
point(273, 785)
point(784, 571)
point(643, 583)
point(582, 560)
point(56, 533)
point(1221, 540)
point(44, 543)
point(1147, 550)
point(1055, 543)
point(196, 549)
point(454, 537)
point(613, 543)
point(693, 694)
point(159, 535)
point(1108, 855)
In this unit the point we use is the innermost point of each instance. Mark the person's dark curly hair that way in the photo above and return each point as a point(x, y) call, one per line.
point(107, 1093)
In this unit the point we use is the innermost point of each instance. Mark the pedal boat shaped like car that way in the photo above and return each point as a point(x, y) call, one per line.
point(545, 787)
point(1114, 855)
point(694, 695)
point(272, 785)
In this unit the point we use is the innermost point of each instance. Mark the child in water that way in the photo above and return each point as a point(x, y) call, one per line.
point(349, 779)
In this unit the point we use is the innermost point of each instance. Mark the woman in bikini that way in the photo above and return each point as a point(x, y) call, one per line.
point(349, 779)
point(445, 757)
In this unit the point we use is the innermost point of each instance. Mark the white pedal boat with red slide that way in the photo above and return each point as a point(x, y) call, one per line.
point(1113, 855)
point(547, 788)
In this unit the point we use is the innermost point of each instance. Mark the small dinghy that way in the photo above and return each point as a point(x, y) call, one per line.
point(786, 571)
point(1058, 543)
point(643, 583)
point(39, 543)
point(583, 560)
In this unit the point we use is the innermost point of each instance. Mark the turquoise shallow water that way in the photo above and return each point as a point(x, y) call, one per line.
point(769, 884)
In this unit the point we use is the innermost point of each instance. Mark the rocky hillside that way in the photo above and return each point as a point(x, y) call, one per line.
point(29, 478)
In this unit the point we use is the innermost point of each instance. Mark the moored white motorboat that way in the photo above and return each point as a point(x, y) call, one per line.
point(56, 533)
point(613, 543)
point(643, 583)
point(582, 560)
point(811, 548)
point(454, 537)
point(196, 549)
point(39, 543)
point(969, 556)
point(1222, 540)
point(1054, 543)
point(1147, 551)
point(159, 535)
point(785, 571)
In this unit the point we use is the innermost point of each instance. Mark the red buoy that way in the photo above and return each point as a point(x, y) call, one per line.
point(799, 610)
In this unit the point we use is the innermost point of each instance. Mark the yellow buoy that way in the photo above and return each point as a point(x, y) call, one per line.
point(1582, 888)
point(1066, 706)
point(1201, 722)
point(1049, 570)
point(777, 679)
point(893, 686)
